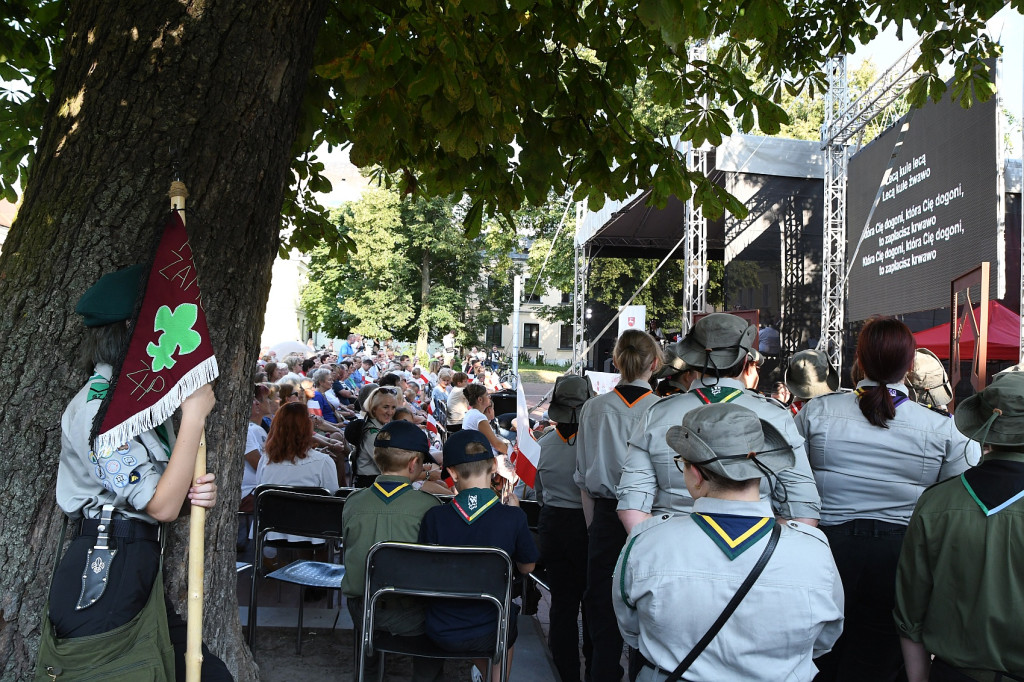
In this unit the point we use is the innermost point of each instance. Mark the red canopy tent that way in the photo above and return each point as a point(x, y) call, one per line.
point(1003, 336)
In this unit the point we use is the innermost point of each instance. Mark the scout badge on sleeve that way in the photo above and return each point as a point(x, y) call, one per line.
point(169, 355)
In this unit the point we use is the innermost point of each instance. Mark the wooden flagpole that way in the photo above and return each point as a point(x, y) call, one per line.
point(196, 530)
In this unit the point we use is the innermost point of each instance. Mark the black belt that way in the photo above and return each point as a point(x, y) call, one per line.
point(866, 528)
point(129, 529)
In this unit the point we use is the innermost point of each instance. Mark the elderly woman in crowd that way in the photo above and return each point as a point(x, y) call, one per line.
point(873, 453)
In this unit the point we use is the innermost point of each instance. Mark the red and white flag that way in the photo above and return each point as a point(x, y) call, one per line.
point(526, 453)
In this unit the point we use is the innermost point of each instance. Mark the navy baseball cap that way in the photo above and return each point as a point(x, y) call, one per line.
point(457, 444)
point(404, 436)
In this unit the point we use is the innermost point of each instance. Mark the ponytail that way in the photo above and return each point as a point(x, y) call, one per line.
point(876, 405)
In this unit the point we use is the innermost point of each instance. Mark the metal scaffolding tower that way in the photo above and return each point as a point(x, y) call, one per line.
point(844, 120)
point(833, 255)
point(793, 279)
point(695, 245)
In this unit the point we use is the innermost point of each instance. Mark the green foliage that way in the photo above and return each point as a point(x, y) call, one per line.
point(378, 289)
point(29, 34)
point(508, 101)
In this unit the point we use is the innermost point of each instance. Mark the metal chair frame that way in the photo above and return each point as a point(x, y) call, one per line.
point(417, 583)
point(325, 524)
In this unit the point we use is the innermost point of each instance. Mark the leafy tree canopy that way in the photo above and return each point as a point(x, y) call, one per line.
point(412, 274)
point(507, 101)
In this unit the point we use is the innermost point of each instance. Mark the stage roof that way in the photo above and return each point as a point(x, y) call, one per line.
point(765, 173)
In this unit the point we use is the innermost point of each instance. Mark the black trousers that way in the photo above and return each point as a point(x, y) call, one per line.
point(563, 547)
point(129, 585)
point(606, 538)
point(866, 553)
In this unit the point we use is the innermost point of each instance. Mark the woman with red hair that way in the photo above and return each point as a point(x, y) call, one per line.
point(873, 452)
point(290, 457)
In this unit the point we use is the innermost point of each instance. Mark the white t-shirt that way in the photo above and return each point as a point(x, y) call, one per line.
point(254, 440)
point(472, 419)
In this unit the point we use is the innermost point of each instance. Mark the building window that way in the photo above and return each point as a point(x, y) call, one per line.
point(565, 336)
point(531, 297)
point(566, 297)
point(492, 334)
point(531, 335)
point(765, 295)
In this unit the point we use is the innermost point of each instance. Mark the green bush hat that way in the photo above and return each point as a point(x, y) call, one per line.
point(455, 447)
point(671, 363)
point(927, 379)
point(810, 375)
point(112, 298)
point(995, 416)
point(731, 440)
point(717, 341)
point(568, 396)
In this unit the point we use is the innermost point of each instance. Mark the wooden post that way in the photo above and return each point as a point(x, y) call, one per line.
point(196, 529)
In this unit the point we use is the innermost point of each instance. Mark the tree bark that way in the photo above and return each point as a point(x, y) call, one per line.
point(211, 91)
point(424, 335)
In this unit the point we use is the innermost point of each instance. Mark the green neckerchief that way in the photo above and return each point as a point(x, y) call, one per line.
point(732, 533)
point(390, 488)
point(717, 394)
point(984, 508)
point(472, 503)
point(98, 387)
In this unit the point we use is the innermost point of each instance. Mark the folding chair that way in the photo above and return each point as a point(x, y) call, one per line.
point(480, 573)
point(316, 515)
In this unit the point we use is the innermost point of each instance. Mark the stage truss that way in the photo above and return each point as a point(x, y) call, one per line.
point(843, 121)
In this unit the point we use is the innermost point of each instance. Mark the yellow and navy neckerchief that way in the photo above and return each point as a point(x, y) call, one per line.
point(472, 503)
point(389, 491)
point(630, 403)
point(717, 394)
point(897, 397)
point(731, 533)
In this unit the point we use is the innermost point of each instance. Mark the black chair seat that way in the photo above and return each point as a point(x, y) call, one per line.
point(311, 574)
point(419, 645)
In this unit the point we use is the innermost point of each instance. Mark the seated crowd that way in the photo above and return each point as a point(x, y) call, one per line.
point(853, 502)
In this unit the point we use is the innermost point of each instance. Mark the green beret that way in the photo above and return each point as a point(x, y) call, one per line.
point(112, 298)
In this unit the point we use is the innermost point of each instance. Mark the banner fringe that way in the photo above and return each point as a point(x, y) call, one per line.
point(161, 411)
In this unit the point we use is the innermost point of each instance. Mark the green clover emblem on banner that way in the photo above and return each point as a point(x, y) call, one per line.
point(178, 334)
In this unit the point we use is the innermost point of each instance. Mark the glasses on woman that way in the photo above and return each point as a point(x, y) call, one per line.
point(389, 389)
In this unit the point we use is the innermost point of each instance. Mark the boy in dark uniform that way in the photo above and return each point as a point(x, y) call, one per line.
point(389, 510)
point(475, 518)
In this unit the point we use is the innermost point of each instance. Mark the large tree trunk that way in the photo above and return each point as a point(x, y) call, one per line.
point(217, 87)
point(424, 334)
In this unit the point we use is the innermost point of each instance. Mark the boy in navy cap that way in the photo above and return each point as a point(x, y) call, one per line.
point(389, 510)
point(475, 518)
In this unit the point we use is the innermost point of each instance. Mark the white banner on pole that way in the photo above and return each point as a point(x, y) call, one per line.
point(633, 317)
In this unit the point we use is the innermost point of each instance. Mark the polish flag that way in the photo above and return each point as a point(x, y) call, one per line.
point(526, 453)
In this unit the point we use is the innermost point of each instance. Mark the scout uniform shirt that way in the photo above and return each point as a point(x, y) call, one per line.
point(125, 477)
point(650, 481)
point(605, 423)
point(474, 518)
point(959, 584)
point(677, 573)
point(390, 510)
point(554, 485)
